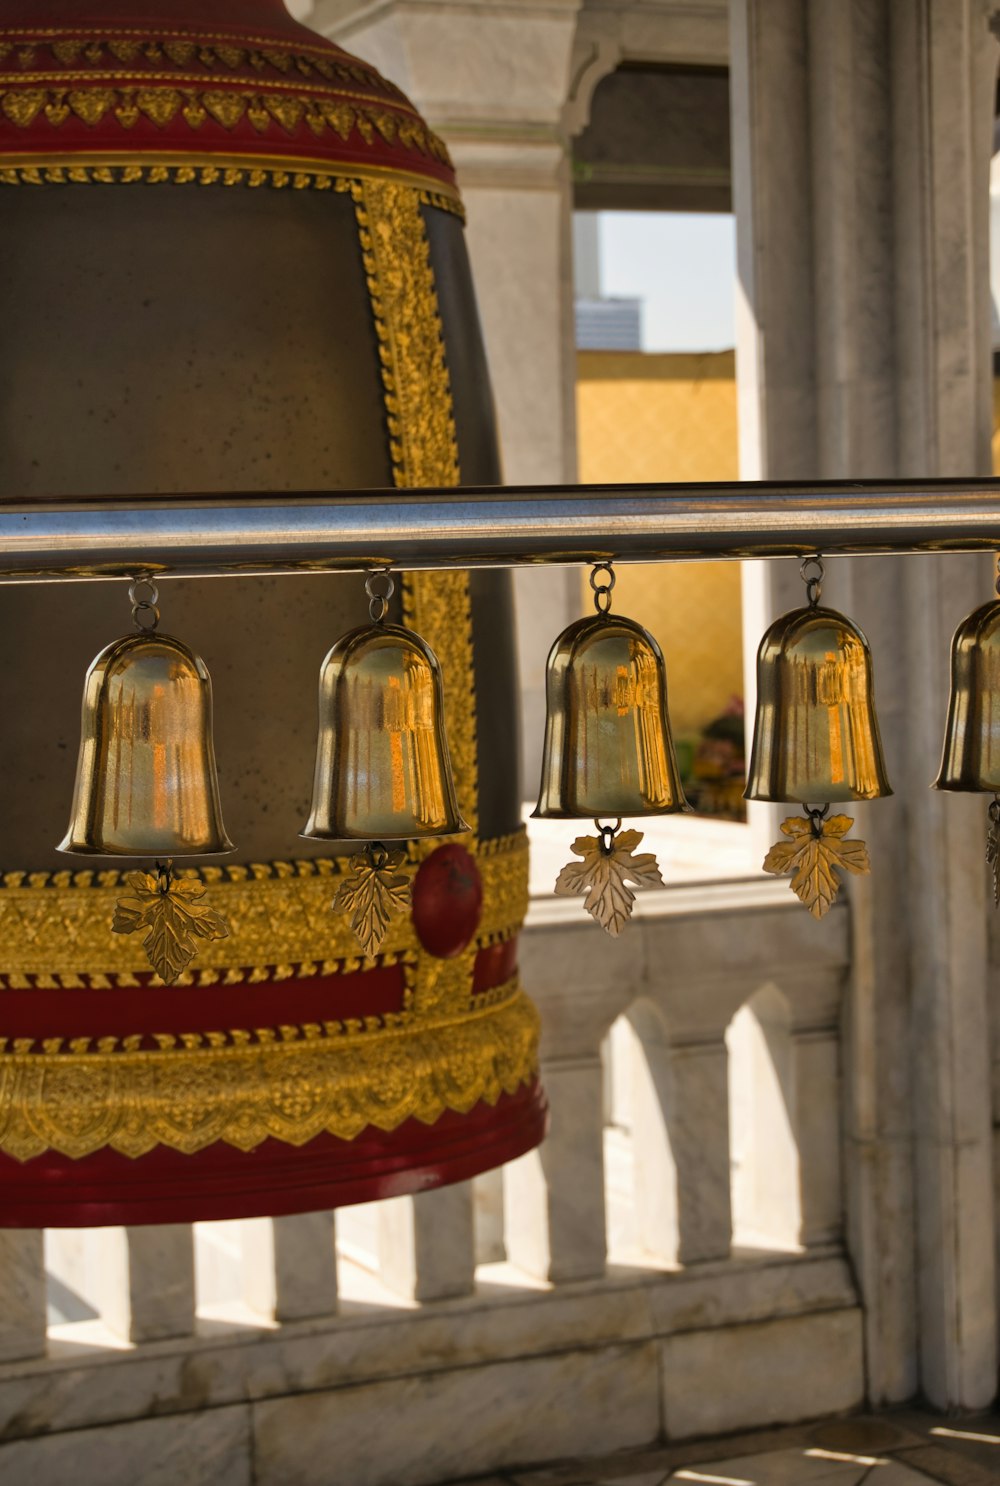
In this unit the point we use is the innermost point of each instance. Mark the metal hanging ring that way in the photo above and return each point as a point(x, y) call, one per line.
point(812, 572)
point(607, 835)
point(602, 590)
point(817, 815)
point(376, 855)
point(145, 610)
point(378, 606)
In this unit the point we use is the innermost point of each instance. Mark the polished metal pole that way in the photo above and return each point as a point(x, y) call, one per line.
point(212, 535)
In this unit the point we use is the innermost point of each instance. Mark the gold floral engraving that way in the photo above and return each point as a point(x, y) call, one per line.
point(288, 1083)
point(208, 53)
point(813, 856)
point(173, 917)
point(424, 448)
point(55, 926)
point(272, 112)
point(609, 864)
point(376, 893)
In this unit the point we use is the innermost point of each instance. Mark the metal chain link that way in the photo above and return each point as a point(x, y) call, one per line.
point(145, 609)
point(812, 572)
point(378, 605)
point(602, 591)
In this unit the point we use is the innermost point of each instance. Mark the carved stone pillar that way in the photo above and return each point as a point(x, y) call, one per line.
point(862, 134)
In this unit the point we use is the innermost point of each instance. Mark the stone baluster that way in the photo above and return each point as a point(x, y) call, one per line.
point(487, 1203)
point(581, 981)
point(556, 1194)
point(680, 1136)
point(290, 1266)
point(140, 1280)
point(22, 1283)
point(426, 1244)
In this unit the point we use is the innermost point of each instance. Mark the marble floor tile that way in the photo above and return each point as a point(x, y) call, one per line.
point(799, 1467)
point(894, 1474)
point(645, 1478)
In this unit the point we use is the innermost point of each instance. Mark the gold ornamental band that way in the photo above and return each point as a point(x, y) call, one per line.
point(290, 1084)
point(55, 927)
point(205, 168)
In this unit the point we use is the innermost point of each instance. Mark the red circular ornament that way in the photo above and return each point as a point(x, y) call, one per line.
point(447, 901)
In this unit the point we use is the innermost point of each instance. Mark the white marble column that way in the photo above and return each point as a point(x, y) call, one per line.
point(22, 1284)
point(862, 133)
point(290, 1266)
point(140, 1280)
point(426, 1244)
point(555, 1196)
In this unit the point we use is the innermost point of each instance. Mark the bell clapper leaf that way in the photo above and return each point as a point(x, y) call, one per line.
point(374, 894)
point(604, 874)
point(814, 855)
point(170, 912)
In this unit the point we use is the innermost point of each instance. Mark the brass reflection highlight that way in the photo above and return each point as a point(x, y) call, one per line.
point(970, 758)
point(608, 749)
point(146, 781)
point(382, 766)
point(816, 736)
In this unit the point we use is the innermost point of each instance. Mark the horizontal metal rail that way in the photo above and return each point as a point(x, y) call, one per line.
point(214, 535)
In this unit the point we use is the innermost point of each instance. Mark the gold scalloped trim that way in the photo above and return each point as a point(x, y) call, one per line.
point(292, 1088)
point(219, 172)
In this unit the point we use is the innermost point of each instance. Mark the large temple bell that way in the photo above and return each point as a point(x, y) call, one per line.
point(232, 259)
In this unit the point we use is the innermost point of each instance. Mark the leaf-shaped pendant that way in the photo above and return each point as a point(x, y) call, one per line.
point(814, 855)
point(608, 865)
point(374, 895)
point(173, 916)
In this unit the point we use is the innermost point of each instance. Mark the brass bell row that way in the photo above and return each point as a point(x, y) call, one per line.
point(608, 750)
point(147, 786)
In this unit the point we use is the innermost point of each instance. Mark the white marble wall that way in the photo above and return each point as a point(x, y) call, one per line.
point(862, 135)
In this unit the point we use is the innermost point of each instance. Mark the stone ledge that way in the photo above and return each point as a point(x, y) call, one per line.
point(495, 1326)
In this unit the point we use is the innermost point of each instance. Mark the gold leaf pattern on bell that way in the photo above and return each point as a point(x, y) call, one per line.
point(374, 895)
point(603, 875)
point(814, 855)
point(173, 916)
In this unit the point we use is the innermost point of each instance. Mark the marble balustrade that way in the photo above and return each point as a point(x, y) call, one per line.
point(682, 1224)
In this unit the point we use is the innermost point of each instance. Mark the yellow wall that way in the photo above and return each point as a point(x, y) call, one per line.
point(670, 417)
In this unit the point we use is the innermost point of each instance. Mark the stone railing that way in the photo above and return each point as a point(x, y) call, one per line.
point(670, 1263)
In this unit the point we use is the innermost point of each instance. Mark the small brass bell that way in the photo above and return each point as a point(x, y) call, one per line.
point(816, 738)
point(608, 750)
point(970, 759)
point(383, 770)
point(146, 785)
point(146, 782)
point(816, 735)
